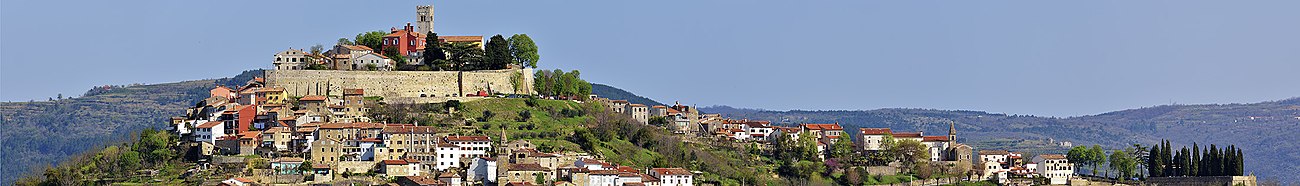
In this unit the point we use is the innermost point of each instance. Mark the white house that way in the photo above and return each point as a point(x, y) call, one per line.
point(937, 145)
point(209, 132)
point(453, 148)
point(673, 176)
point(758, 131)
point(1055, 167)
point(603, 178)
point(367, 60)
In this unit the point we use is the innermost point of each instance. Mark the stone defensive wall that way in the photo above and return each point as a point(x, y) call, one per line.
point(397, 84)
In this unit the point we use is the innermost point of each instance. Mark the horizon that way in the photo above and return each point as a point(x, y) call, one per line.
point(1050, 59)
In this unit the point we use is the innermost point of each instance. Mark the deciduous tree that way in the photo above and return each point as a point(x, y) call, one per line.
point(523, 50)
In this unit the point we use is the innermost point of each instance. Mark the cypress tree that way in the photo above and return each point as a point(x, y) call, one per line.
point(1196, 159)
point(497, 53)
point(1186, 162)
point(1212, 165)
point(433, 53)
point(1154, 168)
point(1241, 164)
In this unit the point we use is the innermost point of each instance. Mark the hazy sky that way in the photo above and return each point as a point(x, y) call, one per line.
point(1052, 58)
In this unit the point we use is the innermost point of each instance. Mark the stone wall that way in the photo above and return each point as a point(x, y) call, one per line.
point(1203, 181)
point(394, 84)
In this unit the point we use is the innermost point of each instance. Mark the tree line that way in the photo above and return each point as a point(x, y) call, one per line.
point(1212, 161)
point(498, 53)
point(559, 83)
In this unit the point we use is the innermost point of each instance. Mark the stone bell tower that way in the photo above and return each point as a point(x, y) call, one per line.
point(952, 133)
point(424, 19)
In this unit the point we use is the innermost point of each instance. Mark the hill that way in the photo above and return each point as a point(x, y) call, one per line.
point(610, 92)
point(1264, 130)
point(43, 133)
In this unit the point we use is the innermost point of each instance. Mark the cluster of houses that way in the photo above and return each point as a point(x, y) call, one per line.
point(334, 137)
point(998, 165)
point(1002, 166)
point(408, 41)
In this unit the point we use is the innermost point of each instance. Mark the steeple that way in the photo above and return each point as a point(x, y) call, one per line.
point(952, 133)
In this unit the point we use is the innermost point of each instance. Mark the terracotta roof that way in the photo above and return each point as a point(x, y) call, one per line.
point(313, 98)
point(907, 135)
point(352, 91)
point(357, 47)
point(277, 129)
point(209, 124)
point(756, 125)
point(934, 138)
point(394, 162)
point(320, 166)
point(636, 105)
point(874, 131)
point(467, 138)
point(305, 129)
point(645, 178)
point(460, 38)
point(671, 171)
point(375, 140)
point(448, 174)
point(243, 179)
point(1052, 156)
point(287, 118)
point(527, 167)
point(834, 126)
point(659, 107)
point(250, 135)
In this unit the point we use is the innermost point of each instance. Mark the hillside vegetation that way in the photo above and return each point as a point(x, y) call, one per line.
point(1263, 130)
point(41, 134)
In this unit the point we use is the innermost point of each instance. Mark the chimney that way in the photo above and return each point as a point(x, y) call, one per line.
point(408, 27)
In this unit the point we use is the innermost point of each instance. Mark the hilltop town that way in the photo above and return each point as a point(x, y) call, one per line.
point(416, 108)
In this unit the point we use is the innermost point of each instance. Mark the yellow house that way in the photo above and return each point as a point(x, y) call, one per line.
point(272, 95)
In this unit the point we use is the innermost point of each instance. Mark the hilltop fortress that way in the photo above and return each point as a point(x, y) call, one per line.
point(400, 84)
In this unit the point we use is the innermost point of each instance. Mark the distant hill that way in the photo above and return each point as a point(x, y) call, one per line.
point(611, 92)
point(42, 133)
point(1264, 130)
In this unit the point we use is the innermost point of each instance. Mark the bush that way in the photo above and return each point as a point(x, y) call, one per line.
point(524, 116)
point(487, 114)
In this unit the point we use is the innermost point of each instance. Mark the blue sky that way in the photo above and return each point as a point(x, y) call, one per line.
point(1050, 58)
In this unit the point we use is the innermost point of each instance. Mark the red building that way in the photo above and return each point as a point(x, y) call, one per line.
point(406, 40)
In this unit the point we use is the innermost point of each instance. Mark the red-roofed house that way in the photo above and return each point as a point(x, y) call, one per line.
point(673, 176)
point(827, 131)
point(872, 139)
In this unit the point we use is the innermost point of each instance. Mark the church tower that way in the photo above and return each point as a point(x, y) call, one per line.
point(952, 133)
point(424, 19)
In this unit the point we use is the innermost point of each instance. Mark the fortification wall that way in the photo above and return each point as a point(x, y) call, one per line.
point(1203, 181)
point(395, 84)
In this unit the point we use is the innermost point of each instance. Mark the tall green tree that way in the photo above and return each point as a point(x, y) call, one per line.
point(463, 56)
point(497, 53)
point(841, 149)
point(372, 39)
point(1196, 160)
point(344, 41)
point(1078, 155)
point(1123, 162)
point(1098, 156)
point(433, 56)
point(1241, 164)
point(1156, 167)
point(523, 50)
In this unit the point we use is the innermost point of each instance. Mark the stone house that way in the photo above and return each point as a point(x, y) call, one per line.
point(290, 60)
point(638, 112)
